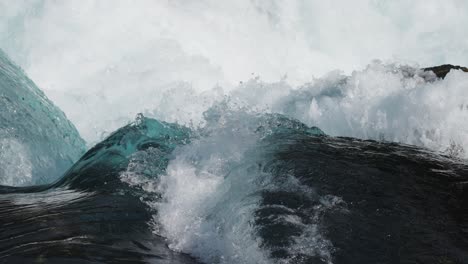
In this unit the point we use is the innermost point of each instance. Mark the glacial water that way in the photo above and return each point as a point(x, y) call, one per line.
point(233, 132)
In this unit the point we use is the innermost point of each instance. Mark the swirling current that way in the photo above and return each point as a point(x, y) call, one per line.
point(142, 166)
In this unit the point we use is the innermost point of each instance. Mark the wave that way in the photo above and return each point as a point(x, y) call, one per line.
point(157, 58)
point(249, 184)
point(89, 215)
point(389, 102)
point(383, 102)
point(267, 189)
point(245, 188)
point(37, 141)
point(247, 147)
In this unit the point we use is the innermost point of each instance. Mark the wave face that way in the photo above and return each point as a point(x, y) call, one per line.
point(89, 215)
point(268, 189)
point(245, 188)
point(37, 142)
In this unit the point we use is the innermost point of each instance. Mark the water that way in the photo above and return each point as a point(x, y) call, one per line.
point(233, 132)
point(275, 192)
point(104, 62)
point(37, 142)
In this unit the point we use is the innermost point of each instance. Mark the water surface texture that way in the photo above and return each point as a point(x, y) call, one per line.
point(234, 132)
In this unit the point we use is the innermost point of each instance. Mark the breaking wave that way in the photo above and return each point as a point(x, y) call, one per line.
point(247, 146)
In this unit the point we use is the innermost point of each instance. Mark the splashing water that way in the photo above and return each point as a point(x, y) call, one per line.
point(235, 168)
point(112, 59)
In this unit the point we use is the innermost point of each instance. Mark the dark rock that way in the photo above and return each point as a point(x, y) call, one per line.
point(442, 70)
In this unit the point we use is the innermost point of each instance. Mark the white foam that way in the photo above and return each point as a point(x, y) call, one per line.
point(207, 208)
point(383, 102)
point(104, 61)
point(15, 164)
point(212, 189)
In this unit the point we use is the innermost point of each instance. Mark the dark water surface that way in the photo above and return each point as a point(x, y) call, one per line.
point(360, 201)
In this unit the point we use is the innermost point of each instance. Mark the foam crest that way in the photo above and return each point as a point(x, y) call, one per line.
point(383, 102)
point(104, 61)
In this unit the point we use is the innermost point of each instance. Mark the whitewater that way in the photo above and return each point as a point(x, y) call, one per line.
point(102, 63)
point(253, 131)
